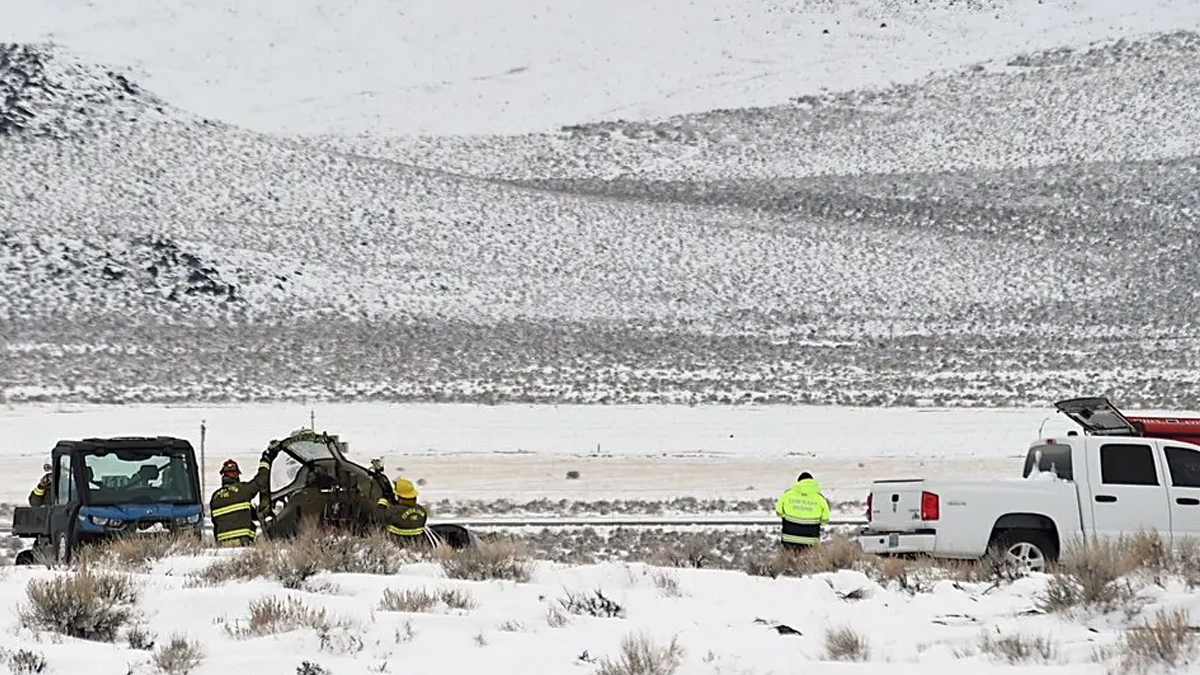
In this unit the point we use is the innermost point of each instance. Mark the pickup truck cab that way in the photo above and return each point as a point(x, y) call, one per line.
point(1124, 475)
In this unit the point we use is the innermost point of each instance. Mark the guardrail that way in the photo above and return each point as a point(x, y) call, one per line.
point(634, 521)
point(609, 521)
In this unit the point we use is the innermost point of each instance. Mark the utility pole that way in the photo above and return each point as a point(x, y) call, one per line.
point(203, 466)
point(312, 420)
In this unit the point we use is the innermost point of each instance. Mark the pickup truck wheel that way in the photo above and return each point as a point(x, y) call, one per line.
point(1023, 551)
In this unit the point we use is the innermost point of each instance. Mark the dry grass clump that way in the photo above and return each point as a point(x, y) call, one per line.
point(293, 561)
point(179, 656)
point(270, 615)
point(845, 644)
point(499, 559)
point(1017, 648)
point(24, 661)
point(139, 637)
point(595, 604)
point(249, 563)
point(641, 655)
point(1094, 575)
point(137, 552)
point(421, 600)
point(838, 553)
point(693, 550)
point(408, 600)
point(667, 584)
point(1167, 642)
point(1186, 554)
point(557, 617)
point(83, 604)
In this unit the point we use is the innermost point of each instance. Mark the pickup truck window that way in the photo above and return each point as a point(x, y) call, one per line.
point(1127, 464)
point(1184, 465)
point(1049, 457)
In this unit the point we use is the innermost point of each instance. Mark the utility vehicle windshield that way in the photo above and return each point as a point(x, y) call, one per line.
point(308, 450)
point(139, 477)
point(296, 454)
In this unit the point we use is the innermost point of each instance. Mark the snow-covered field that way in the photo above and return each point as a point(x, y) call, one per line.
point(470, 453)
point(726, 622)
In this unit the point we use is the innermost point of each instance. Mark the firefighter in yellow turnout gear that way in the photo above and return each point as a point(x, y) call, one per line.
point(37, 496)
point(405, 519)
point(804, 511)
point(230, 507)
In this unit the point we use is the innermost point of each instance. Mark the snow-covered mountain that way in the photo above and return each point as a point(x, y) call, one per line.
point(472, 66)
point(990, 234)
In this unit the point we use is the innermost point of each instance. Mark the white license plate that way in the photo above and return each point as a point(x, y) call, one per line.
point(893, 540)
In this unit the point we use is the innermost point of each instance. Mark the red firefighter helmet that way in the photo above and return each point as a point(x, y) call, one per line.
point(230, 468)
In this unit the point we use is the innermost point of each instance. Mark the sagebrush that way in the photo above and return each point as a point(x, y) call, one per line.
point(1166, 641)
point(421, 600)
point(293, 562)
point(136, 552)
point(24, 661)
point(179, 656)
point(1094, 575)
point(270, 615)
point(83, 604)
point(1017, 648)
point(641, 655)
point(846, 644)
point(595, 603)
point(504, 560)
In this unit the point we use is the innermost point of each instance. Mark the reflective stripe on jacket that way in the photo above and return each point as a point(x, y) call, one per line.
point(406, 519)
point(803, 511)
point(230, 508)
point(37, 496)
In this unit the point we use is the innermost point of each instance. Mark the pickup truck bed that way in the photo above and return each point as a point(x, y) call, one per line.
point(964, 519)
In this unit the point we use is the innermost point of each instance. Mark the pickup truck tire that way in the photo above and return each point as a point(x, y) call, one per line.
point(1024, 551)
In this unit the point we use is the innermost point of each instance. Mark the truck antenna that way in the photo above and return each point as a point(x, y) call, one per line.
point(1043, 424)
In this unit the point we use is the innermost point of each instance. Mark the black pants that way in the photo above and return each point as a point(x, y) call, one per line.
point(793, 546)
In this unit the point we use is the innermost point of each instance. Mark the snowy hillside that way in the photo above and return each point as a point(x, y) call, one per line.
point(470, 67)
point(975, 236)
point(1105, 101)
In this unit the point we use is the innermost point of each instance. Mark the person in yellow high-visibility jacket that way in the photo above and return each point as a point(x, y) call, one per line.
point(804, 511)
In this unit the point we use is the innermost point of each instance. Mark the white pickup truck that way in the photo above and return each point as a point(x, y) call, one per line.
point(1124, 475)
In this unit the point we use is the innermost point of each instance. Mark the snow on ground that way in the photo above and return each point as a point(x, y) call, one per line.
point(523, 453)
point(469, 67)
point(724, 621)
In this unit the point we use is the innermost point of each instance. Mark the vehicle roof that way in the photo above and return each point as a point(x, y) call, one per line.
point(138, 442)
point(1066, 439)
